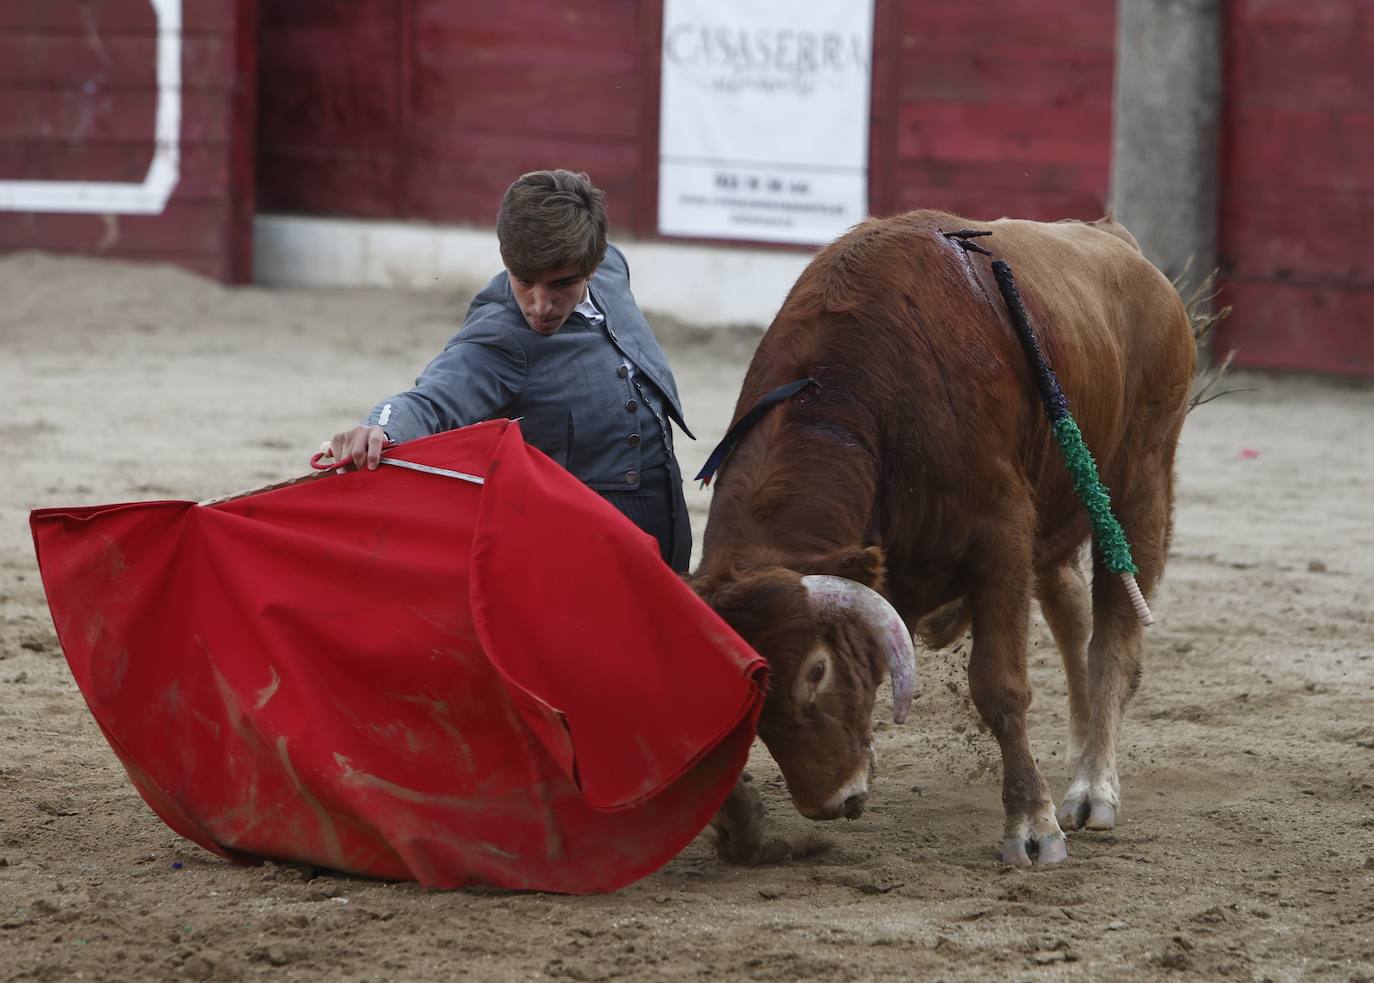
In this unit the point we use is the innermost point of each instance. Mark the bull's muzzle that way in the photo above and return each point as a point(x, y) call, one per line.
point(847, 803)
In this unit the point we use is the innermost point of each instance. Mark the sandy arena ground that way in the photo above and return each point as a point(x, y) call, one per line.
point(1246, 847)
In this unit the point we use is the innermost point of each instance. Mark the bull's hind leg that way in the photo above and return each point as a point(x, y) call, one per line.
point(1114, 654)
point(1066, 603)
point(1113, 670)
point(1000, 687)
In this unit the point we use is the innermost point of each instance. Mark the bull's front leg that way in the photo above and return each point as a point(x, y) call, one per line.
point(1000, 687)
point(740, 829)
point(739, 823)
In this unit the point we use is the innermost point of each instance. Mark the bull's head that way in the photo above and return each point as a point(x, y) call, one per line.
point(828, 640)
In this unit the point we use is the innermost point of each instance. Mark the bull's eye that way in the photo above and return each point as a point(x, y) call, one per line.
point(816, 674)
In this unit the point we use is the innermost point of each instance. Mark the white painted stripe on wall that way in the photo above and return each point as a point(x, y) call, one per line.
point(706, 285)
point(164, 172)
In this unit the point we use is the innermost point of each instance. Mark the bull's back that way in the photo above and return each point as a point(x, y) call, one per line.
point(896, 314)
point(1119, 340)
point(1101, 305)
point(1108, 321)
point(1103, 312)
point(1111, 326)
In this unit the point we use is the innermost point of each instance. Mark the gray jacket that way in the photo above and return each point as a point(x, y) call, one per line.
point(573, 391)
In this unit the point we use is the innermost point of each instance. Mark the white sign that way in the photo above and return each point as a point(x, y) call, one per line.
point(149, 196)
point(764, 118)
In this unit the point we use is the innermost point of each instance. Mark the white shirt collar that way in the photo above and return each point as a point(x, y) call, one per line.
point(588, 310)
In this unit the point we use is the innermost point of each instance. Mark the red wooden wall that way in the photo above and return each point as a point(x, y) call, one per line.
point(1000, 107)
point(427, 109)
point(78, 98)
point(1297, 187)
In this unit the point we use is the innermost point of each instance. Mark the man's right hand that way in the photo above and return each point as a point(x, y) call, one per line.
point(361, 445)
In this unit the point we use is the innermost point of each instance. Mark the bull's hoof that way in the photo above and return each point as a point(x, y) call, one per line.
point(1040, 851)
point(740, 825)
point(742, 847)
point(1034, 841)
point(1086, 809)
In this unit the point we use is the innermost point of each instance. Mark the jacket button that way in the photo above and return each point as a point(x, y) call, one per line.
point(632, 477)
point(623, 371)
point(631, 405)
point(632, 440)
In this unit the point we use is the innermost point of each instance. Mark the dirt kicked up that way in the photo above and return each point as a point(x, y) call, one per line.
point(1245, 847)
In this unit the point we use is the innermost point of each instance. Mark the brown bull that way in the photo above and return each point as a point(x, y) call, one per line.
point(921, 465)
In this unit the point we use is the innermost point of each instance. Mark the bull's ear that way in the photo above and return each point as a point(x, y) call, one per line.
point(862, 564)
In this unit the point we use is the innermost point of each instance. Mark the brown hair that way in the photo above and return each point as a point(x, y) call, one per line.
point(549, 220)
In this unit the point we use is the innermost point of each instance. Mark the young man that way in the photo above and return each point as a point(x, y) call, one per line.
point(558, 341)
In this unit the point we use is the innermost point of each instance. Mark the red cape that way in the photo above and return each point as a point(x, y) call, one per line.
point(406, 675)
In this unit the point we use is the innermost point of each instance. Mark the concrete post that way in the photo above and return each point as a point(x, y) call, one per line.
point(1166, 129)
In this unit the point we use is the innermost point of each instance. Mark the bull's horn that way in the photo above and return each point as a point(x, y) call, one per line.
point(830, 594)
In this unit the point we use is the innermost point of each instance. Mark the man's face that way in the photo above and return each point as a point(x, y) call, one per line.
point(547, 298)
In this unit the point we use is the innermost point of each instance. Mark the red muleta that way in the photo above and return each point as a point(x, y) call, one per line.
point(400, 674)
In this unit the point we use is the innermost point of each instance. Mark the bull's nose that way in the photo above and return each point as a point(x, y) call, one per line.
point(853, 806)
